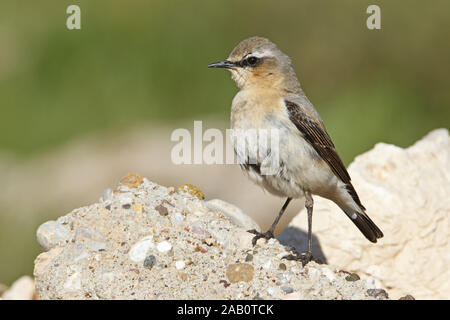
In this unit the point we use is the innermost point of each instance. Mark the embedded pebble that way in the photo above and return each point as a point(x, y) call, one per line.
point(377, 293)
point(240, 272)
point(162, 210)
point(352, 277)
point(150, 261)
point(132, 180)
point(139, 251)
point(178, 217)
point(267, 265)
point(287, 289)
point(164, 246)
point(50, 234)
point(125, 198)
point(107, 195)
point(180, 264)
point(198, 229)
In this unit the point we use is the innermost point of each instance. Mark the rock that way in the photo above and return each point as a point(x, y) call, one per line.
point(287, 289)
point(406, 192)
point(240, 272)
point(377, 293)
point(21, 289)
point(192, 190)
point(132, 180)
point(147, 255)
point(162, 210)
point(150, 261)
point(164, 246)
point(352, 277)
point(236, 215)
point(138, 252)
point(106, 195)
point(180, 264)
point(407, 297)
point(51, 234)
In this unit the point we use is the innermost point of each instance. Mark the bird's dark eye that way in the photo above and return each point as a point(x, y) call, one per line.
point(252, 61)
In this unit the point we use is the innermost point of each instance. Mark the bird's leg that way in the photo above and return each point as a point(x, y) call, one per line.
point(306, 256)
point(309, 208)
point(269, 233)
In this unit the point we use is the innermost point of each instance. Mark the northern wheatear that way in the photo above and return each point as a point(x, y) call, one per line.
point(270, 97)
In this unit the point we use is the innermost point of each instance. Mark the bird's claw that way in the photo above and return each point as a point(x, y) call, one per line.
point(258, 235)
point(304, 257)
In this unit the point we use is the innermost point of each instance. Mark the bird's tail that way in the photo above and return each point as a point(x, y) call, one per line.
point(364, 224)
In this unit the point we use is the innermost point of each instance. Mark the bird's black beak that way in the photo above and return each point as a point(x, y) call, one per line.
point(225, 64)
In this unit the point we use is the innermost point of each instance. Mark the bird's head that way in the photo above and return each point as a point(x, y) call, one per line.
point(258, 63)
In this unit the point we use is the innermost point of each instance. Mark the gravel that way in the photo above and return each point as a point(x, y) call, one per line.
point(125, 248)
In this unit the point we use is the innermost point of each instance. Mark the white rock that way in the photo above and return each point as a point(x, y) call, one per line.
point(139, 251)
point(51, 234)
point(125, 198)
point(406, 193)
point(267, 265)
point(164, 246)
point(21, 289)
point(180, 264)
point(271, 291)
point(178, 217)
point(107, 195)
point(236, 215)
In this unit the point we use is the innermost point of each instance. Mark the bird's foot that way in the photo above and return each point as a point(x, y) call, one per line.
point(304, 257)
point(258, 235)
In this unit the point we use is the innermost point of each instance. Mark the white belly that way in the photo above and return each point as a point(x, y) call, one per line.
point(288, 166)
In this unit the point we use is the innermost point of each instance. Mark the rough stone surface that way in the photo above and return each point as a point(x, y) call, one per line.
point(193, 252)
point(21, 289)
point(407, 193)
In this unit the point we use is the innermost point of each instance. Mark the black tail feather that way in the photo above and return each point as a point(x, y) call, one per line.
point(365, 225)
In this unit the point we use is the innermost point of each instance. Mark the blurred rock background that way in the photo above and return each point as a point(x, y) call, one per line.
point(79, 109)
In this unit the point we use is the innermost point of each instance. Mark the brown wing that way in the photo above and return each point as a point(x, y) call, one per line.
point(319, 139)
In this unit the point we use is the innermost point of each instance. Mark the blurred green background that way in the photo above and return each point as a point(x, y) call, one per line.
point(144, 62)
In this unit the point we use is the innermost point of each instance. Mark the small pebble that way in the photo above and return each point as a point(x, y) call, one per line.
point(249, 258)
point(107, 195)
point(378, 293)
point(287, 289)
point(407, 297)
point(178, 217)
point(164, 246)
point(132, 180)
point(180, 264)
point(239, 272)
point(51, 234)
point(183, 276)
point(352, 277)
point(138, 251)
point(150, 261)
point(162, 210)
point(282, 266)
point(267, 265)
point(192, 190)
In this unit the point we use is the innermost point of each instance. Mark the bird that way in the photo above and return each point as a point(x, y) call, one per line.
point(305, 160)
